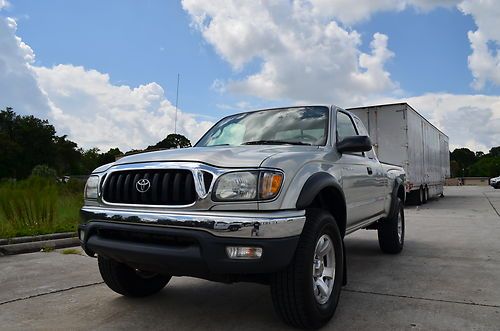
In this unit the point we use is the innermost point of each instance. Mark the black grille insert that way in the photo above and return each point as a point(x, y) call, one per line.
point(161, 187)
point(147, 238)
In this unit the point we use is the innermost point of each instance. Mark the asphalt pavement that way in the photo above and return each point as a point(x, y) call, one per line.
point(446, 278)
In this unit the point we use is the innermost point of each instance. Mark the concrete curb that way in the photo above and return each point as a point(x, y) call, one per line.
point(43, 237)
point(36, 246)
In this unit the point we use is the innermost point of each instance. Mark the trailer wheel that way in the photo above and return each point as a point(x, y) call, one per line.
point(425, 195)
point(417, 197)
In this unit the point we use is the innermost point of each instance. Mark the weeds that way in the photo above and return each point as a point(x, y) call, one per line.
point(38, 206)
point(47, 249)
point(70, 251)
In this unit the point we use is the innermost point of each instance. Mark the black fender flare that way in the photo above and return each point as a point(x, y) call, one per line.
point(398, 182)
point(314, 185)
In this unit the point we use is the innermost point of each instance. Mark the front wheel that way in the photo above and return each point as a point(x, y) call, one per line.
point(391, 231)
point(128, 281)
point(306, 293)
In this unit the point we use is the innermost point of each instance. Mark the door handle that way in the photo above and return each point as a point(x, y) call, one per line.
point(370, 171)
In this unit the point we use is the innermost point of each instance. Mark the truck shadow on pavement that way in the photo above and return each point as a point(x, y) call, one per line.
point(188, 303)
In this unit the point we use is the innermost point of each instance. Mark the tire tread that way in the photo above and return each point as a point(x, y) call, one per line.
point(123, 279)
point(287, 294)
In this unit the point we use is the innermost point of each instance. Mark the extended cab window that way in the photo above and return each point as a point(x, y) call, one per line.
point(345, 127)
point(363, 132)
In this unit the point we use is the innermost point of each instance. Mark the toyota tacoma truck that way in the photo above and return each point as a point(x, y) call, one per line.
point(264, 196)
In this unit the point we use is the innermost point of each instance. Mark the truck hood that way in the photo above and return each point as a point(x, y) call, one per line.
point(222, 156)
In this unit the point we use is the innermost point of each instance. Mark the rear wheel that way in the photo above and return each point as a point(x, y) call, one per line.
point(306, 293)
point(128, 281)
point(391, 231)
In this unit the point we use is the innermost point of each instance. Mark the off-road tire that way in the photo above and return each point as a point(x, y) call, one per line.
point(127, 281)
point(292, 288)
point(389, 240)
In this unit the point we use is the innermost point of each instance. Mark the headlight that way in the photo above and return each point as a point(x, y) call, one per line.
point(91, 187)
point(237, 186)
point(248, 185)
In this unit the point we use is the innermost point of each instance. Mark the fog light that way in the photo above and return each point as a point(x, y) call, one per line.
point(238, 252)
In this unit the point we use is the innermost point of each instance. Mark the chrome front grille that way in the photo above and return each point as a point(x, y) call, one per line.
point(173, 187)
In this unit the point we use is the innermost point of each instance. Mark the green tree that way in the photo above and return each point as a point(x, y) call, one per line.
point(464, 158)
point(455, 169)
point(487, 166)
point(29, 141)
point(43, 170)
point(172, 141)
point(68, 157)
point(90, 160)
point(495, 151)
point(109, 156)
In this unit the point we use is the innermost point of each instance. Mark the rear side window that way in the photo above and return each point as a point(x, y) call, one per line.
point(345, 126)
point(363, 132)
point(361, 128)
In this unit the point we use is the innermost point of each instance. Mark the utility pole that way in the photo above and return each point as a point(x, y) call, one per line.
point(176, 103)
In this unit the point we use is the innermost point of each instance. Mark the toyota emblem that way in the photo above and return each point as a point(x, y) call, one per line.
point(143, 185)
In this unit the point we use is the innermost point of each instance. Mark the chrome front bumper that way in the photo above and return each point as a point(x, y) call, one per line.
point(276, 224)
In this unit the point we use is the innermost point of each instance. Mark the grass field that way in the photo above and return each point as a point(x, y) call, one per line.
point(38, 206)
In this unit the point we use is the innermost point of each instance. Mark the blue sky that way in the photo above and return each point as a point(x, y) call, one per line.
point(422, 49)
point(431, 49)
point(135, 44)
point(140, 42)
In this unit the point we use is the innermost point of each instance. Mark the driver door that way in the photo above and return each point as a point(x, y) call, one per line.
point(358, 176)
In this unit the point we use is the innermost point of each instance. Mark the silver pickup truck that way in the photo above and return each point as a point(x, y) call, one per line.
point(265, 196)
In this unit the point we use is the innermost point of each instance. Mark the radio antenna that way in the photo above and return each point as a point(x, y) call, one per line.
point(176, 103)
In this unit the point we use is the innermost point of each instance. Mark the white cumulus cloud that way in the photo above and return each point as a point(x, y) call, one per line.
point(18, 84)
point(350, 12)
point(309, 51)
point(84, 103)
point(296, 47)
point(3, 3)
point(88, 106)
point(484, 62)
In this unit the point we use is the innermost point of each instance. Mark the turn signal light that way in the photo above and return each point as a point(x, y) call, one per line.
point(270, 184)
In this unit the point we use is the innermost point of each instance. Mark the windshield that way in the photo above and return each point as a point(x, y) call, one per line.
point(294, 126)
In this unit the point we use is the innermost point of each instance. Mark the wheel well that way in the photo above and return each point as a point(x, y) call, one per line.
point(331, 200)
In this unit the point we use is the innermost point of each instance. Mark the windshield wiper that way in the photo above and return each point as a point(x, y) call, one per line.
point(275, 142)
point(217, 145)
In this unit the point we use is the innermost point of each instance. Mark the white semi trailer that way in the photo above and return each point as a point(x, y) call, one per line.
point(403, 137)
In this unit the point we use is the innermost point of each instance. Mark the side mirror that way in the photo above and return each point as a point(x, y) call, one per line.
point(354, 144)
